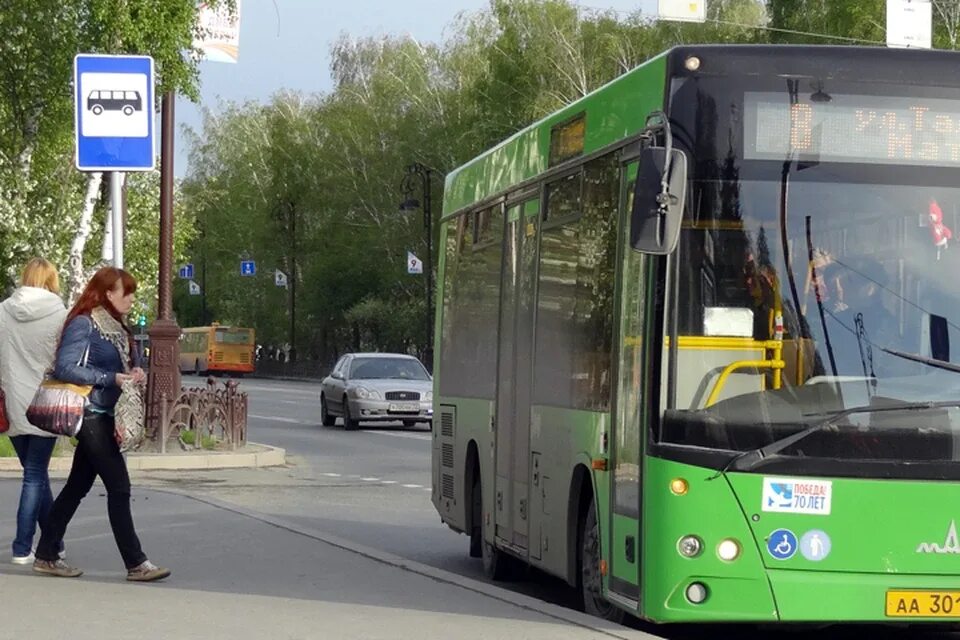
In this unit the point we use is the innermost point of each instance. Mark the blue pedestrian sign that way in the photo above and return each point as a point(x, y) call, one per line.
point(782, 544)
point(186, 272)
point(113, 112)
point(248, 268)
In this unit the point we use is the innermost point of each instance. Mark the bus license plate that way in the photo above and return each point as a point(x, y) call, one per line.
point(923, 604)
point(405, 407)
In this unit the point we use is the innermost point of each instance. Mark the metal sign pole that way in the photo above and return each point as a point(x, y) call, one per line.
point(116, 202)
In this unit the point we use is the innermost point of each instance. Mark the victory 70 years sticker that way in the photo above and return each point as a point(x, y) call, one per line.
point(797, 495)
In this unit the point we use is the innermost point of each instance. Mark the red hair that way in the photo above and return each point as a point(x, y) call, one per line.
point(95, 295)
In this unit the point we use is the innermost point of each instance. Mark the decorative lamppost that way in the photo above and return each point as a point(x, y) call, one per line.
point(422, 172)
point(163, 378)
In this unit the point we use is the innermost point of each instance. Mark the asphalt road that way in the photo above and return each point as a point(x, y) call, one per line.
point(373, 486)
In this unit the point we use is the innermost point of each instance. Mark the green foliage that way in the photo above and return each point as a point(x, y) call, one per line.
point(189, 437)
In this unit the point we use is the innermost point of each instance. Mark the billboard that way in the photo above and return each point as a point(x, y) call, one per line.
point(219, 32)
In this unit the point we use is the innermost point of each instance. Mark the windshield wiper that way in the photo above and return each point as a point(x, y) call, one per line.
point(916, 357)
point(746, 460)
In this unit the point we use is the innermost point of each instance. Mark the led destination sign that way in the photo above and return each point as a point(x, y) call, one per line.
point(849, 128)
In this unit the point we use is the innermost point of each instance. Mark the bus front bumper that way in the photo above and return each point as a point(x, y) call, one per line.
point(807, 597)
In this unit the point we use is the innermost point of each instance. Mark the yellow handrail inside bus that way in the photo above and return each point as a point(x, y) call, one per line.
point(776, 365)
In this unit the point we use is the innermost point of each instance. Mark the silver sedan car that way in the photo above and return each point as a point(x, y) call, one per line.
point(377, 387)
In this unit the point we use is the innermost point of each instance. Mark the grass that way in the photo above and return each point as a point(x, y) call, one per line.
point(6, 447)
point(190, 437)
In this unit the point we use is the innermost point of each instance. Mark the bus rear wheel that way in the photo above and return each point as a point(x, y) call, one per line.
point(590, 578)
point(476, 518)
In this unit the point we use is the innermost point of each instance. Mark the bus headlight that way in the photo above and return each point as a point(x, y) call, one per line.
point(690, 546)
point(728, 550)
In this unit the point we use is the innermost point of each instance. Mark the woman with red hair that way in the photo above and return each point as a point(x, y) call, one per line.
point(96, 348)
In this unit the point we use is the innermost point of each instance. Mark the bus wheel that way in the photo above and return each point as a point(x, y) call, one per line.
point(590, 579)
point(476, 517)
point(325, 418)
point(349, 422)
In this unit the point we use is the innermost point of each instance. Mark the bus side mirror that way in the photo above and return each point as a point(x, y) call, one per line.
point(658, 201)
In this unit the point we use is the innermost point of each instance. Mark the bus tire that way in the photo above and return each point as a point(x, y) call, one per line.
point(589, 579)
point(476, 519)
point(349, 422)
point(326, 419)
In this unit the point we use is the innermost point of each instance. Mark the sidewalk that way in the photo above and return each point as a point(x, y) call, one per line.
point(252, 455)
point(239, 575)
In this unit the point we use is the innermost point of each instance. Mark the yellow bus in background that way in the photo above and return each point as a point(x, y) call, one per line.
point(217, 349)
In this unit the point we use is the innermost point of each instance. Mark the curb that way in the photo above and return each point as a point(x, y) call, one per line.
point(503, 595)
point(271, 457)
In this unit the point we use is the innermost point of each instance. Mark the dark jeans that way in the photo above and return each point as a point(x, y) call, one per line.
point(35, 495)
point(97, 454)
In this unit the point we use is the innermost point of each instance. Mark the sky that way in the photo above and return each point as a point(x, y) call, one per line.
point(284, 44)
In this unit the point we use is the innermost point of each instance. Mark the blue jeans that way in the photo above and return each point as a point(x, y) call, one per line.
point(36, 499)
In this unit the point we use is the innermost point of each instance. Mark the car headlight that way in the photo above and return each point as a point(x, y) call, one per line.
point(428, 396)
point(375, 395)
point(361, 392)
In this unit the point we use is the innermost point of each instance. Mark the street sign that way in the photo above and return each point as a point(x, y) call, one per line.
point(113, 112)
point(194, 288)
point(248, 268)
point(280, 278)
point(414, 264)
point(910, 24)
point(683, 10)
point(186, 272)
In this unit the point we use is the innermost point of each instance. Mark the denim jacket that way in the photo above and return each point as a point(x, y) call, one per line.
point(103, 362)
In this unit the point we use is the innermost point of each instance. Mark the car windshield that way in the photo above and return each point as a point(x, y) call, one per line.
point(387, 368)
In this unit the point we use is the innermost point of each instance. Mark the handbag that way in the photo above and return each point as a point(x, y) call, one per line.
point(129, 428)
point(57, 407)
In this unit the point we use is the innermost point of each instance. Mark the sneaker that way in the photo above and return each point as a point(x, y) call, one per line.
point(146, 571)
point(57, 568)
point(28, 559)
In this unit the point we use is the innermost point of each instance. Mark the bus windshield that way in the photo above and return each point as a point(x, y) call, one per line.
point(819, 290)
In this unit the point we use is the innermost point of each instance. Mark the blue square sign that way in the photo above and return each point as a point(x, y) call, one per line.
point(248, 268)
point(113, 112)
point(186, 271)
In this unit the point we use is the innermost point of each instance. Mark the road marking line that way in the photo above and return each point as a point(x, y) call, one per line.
point(278, 419)
point(331, 475)
point(412, 486)
point(370, 479)
point(389, 482)
point(411, 436)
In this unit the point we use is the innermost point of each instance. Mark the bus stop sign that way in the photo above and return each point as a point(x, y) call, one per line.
point(113, 112)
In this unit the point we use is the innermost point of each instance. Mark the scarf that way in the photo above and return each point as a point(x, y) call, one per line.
point(112, 330)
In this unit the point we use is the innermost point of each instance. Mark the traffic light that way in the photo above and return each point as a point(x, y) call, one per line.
point(142, 320)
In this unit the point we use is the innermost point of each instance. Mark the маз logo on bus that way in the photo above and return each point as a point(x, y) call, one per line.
point(950, 545)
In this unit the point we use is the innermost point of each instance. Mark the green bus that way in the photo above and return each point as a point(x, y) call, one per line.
point(679, 314)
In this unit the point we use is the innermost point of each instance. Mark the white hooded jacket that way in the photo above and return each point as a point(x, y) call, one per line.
point(30, 324)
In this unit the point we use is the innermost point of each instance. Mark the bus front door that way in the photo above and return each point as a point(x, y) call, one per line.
point(624, 527)
point(512, 499)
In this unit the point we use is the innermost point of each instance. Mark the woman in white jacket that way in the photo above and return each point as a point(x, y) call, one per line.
point(30, 324)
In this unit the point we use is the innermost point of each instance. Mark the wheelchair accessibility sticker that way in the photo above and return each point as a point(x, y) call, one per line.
point(782, 544)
